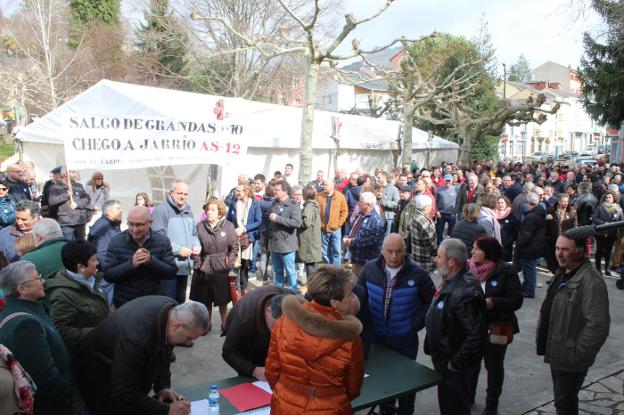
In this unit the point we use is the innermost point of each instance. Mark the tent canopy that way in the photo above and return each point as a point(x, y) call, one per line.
point(265, 125)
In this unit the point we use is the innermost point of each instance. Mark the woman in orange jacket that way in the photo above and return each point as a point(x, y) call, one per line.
point(315, 362)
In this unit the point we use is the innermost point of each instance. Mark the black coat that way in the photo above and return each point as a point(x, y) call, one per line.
point(509, 234)
point(462, 196)
point(531, 243)
point(131, 283)
point(126, 356)
point(585, 206)
point(247, 335)
point(503, 286)
point(58, 199)
point(467, 232)
point(455, 329)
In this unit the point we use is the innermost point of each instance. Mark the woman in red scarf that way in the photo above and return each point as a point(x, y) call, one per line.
point(503, 296)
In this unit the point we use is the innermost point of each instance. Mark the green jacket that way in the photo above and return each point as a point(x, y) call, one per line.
point(310, 233)
point(39, 348)
point(47, 256)
point(579, 321)
point(75, 309)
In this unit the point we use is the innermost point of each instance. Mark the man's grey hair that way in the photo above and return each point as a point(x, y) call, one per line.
point(506, 177)
point(527, 187)
point(614, 188)
point(28, 205)
point(193, 314)
point(13, 275)
point(175, 182)
point(455, 249)
point(472, 175)
point(109, 204)
point(296, 189)
point(422, 201)
point(368, 198)
point(584, 187)
point(533, 199)
point(47, 229)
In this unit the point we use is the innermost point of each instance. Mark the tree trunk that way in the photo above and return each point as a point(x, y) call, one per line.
point(408, 125)
point(307, 122)
point(466, 149)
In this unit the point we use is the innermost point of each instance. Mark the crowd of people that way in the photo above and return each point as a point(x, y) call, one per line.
point(341, 263)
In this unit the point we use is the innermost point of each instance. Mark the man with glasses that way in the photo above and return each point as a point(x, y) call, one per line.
point(137, 260)
point(26, 215)
point(129, 354)
point(174, 219)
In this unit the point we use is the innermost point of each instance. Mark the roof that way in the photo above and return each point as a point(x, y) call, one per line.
point(263, 125)
point(551, 63)
point(381, 58)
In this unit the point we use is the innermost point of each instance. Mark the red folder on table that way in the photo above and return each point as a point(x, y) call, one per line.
point(246, 396)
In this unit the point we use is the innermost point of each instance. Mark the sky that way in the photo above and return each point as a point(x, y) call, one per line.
point(542, 30)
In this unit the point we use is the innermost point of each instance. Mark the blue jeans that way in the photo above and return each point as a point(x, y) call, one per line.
point(441, 222)
point(175, 288)
point(285, 262)
point(330, 247)
point(529, 272)
point(388, 226)
point(254, 256)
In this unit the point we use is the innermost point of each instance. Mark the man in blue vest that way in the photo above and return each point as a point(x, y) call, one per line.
point(395, 294)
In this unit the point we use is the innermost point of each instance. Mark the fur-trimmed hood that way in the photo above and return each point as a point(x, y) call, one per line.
point(316, 320)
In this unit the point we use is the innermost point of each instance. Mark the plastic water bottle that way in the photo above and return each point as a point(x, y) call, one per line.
point(213, 400)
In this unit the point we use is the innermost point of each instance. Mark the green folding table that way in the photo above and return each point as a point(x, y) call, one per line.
point(390, 376)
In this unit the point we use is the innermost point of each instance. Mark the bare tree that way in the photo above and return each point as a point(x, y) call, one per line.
point(39, 31)
point(471, 126)
point(315, 54)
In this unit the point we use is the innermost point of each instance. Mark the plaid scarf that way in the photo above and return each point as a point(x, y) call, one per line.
point(389, 284)
point(481, 271)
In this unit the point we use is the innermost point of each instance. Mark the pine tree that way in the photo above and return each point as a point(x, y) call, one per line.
point(520, 71)
point(601, 67)
point(85, 13)
point(162, 39)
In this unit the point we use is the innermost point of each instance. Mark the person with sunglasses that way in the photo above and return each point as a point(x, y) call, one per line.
point(7, 205)
point(28, 332)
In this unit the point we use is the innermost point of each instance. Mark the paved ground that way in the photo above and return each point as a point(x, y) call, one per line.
point(527, 388)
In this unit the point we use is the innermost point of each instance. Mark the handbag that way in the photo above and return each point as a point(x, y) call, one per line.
point(243, 241)
point(501, 333)
point(235, 295)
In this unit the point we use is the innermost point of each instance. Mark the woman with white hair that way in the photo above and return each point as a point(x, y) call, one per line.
point(366, 235)
point(26, 330)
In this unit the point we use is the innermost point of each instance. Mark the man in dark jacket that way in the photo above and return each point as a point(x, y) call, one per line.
point(284, 220)
point(455, 331)
point(101, 233)
point(468, 192)
point(574, 322)
point(137, 260)
point(174, 219)
point(586, 204)
point(248, 330)
point(17, 187)
point(531, 243)
point(394, 323)
point(366, 235)
point(127, 355)
point(72, 205)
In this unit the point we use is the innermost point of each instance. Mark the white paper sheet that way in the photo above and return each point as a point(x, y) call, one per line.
point(200, 407)
point(264, 385)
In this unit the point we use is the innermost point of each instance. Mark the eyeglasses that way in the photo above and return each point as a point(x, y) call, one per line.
point(37, 278)
point(3, 189)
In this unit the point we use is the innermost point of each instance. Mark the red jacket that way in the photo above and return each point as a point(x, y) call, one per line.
point(315, 363)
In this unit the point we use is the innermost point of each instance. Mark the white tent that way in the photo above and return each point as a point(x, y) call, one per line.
point(268, 135)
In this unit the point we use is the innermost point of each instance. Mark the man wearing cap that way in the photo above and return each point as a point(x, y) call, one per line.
point(446, 200)
point(55, 174)
point(71, 201)
point(334, 211)
point(406, 209)
point(574, 320)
